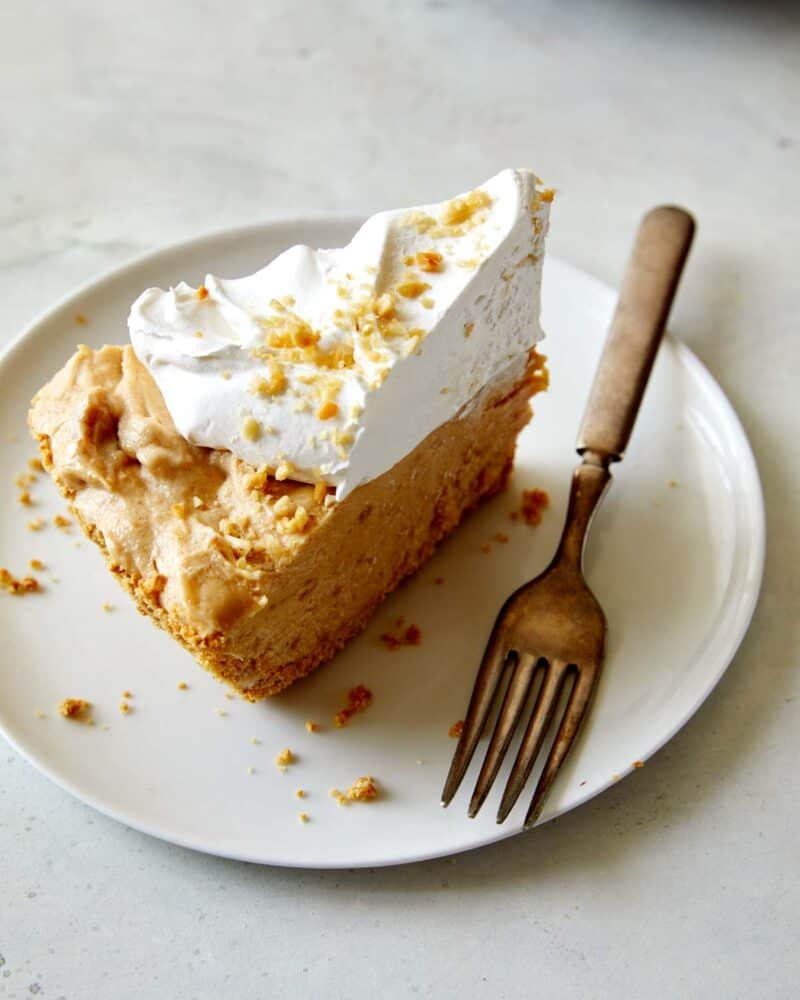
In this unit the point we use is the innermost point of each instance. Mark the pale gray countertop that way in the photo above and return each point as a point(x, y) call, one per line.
point(125, 126)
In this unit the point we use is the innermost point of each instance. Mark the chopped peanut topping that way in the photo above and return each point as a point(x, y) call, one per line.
point(251, 429)
point(273, 383)
point(461, 210)
point(327, 410)
point(430, 261)
point(202, 293)
point(412, 288)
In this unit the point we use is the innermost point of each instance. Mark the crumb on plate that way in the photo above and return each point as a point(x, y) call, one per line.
point(358, 699)
point(76, 710)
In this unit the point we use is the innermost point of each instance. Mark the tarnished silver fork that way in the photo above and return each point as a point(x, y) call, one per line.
point(553, 627)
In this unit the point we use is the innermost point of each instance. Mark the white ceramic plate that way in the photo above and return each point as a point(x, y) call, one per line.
point(677, 569)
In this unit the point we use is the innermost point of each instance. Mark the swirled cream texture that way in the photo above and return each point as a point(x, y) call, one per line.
point(332, 365)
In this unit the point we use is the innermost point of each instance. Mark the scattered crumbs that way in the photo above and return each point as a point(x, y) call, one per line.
point(456, 729)
point(501, 537)
point(358, 699)
point(35, 464)
point(37, 564)
point(533, 503)
point(303, 817)
point(36, 524)
point(284, 759)
point(107, 607)
point(183, 686)
point(76, 710)
point(673, 484)
point(439, 580)
point(61, 522)
point(411, 637)
point(255, 741)
point(127, 694)
point(124, 708)
point(638, 763)
point(251, 770)
point(202, 293)
point(25, 498)
point(364, 789)
point(80, 319)
point(485, 548)
point(18, 586)
point(40, 714)
point(300, 793)
point(220, 712)
point(312, 727)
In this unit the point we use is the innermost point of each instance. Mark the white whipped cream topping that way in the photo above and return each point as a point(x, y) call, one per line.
point(332, 365)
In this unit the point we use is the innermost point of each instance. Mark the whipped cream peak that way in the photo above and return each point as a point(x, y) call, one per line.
point(332, 365)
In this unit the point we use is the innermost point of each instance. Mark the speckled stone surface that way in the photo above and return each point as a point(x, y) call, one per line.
point(127, 126)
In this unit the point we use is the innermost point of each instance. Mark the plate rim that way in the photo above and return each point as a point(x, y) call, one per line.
point(749, 506)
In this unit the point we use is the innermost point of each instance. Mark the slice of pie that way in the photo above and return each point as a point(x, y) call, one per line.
point(272, 455)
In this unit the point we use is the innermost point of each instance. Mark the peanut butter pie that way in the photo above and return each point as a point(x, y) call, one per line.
point(271, 455)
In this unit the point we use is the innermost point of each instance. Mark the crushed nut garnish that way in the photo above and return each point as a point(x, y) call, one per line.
point(76, 710)
point(327, 410)
point(411, 637)
point(430, 261)
point(456, 729)
point(18, 586)
point(251, 428)
point(412, 288)
point(358, 699)
point(273, 383)
point(202, 293)
point(533, 503)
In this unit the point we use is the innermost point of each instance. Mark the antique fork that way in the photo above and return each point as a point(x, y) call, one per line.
point(554, 626)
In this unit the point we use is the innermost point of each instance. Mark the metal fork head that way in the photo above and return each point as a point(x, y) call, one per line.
point(553, 627)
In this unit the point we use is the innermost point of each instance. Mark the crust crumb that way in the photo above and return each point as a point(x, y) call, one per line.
point(363, 789)
point(411, 637)
point(76, 710)
point(303, 817)
point(358, 699)
point(456, 729)
point(18, 586)
point(284, 758)
point(312, 727)
point(183, 686)
point(534, 502)
point(37, 564)
point(36, 524)
point(61, 522)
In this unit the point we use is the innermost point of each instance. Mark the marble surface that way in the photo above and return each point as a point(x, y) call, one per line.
point(125, 127)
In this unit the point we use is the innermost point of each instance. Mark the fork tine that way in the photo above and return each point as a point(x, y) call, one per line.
point(541, 718)
point(579, 699)
point(513, 703)
point(491, 669)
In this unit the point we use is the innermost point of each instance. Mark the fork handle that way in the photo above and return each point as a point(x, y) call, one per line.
point(648, 288)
